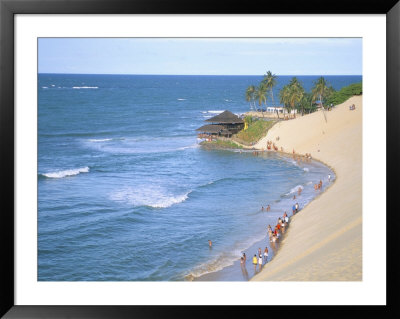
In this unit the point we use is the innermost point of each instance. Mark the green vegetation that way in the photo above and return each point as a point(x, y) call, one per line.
point(270, 81)
point(344, 94)
point(292, 94)
point(256, 130)
point(250, 96)
point(261, 93)
point(294, 97)
point(220, 144)
point(321, 90)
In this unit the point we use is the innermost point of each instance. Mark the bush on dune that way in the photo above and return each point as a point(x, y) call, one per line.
point(344, 94)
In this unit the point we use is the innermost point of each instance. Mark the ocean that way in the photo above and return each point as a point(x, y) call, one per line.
point(126, 193)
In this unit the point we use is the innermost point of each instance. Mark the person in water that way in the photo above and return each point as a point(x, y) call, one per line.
point(209, 243)
point(244, 257)
point(299, 191)
point(268, 208)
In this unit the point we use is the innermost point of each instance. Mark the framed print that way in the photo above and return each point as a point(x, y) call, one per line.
point(158, 155)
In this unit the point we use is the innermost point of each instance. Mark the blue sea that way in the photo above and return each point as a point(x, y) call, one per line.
point(126, 193)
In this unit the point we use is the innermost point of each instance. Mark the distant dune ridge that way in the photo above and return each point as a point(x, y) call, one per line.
point(324, 241)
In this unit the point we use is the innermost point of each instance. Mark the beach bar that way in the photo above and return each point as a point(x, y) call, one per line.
point(224, 124)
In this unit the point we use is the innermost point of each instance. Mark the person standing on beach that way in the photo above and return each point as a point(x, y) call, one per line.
point(255, 262)
point(286, 218)
point(260, 262)
point(269, 232)
point(297, 207)
point(294, 209)
point(266, 254)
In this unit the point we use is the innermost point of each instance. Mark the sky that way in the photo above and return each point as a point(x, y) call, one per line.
point(201, 56)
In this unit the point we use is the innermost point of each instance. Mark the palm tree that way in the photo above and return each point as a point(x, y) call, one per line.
point(296, 93)
point(284, 95)
point(321, 90)
point(261, 96)
point(250, 95)
point(270, 81)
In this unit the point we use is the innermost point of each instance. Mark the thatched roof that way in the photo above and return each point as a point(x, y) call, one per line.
point(226, 117)
point(211, 128)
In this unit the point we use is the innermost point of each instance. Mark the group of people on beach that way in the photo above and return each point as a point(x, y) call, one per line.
point(274, 234)
point(271, 145)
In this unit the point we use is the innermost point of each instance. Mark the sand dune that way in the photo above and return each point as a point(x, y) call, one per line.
point(324, 241)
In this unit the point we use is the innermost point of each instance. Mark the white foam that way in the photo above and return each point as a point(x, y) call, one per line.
point(214, 112)
point(68, 172)
point(85, 87)
point(181, 99)
point(306, 169)
point(187, 147)
point(44, 87)
point(295, 189)
point(100, 140)
point(156, 197)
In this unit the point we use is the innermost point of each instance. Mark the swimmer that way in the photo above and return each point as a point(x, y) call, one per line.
point(268, 208)
point(244, 257)
point(299, 191)
point(209, 243)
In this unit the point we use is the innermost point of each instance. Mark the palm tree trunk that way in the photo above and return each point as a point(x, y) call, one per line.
point(323, 111)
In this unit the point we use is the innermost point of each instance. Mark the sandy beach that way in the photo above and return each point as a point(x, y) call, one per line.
point(324, 240)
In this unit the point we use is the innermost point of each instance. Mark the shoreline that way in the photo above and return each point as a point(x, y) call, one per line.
point(328, 231)
point(235, 271)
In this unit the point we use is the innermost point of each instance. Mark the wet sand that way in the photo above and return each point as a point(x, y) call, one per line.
point(324, 241)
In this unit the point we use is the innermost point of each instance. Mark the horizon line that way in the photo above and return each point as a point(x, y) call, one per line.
point(199, 74)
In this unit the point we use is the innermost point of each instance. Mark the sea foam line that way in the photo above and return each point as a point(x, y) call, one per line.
point(67, 172)
point(85, 87)
point(154, 197)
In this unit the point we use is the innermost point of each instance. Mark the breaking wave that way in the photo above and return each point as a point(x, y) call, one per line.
point(67, 172)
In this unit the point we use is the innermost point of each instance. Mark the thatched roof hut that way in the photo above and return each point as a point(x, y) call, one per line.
point(211, 128)
point(226, 117)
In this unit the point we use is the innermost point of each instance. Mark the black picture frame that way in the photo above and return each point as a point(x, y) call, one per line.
point(9, 8)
